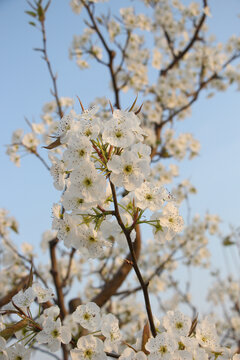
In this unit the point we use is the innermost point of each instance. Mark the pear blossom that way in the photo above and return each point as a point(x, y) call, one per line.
point(43, 295)
point(150, 196)
point(89, 347)
point(128, 170)
point(88, 316)
point(53, 334)
point(18, 351)
point(91, 184)
point(64, 126)
point(177, 323)
point(79, 150)
point(206, 334)
point(89, 241)
point(3, 349)
point(25, 298)
point(58, 172)
point(161, 347)
point(129, 354)
point(168, 223)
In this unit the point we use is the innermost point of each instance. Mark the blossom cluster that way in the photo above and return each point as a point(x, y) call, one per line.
point(94, 335)
point(99, 154)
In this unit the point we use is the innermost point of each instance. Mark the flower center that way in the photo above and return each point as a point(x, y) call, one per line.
point(55, 333)
point(88, 132)
point(148, 197)
point(163, 349)
point(92, 239)
point(118, 134)
point(87, 182)
point(88, 353)
point(81, 153)
point(128, 169)
point(179, 325)
point(67, 228)
point(86, 316)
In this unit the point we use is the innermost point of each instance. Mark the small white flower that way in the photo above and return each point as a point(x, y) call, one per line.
point(3, 350)
point(24, 299)
point(18, 351)
point(177, 323)
point(129, 354)
point(128, 170)
point(206, 334)
point(89, 348)
point(110, 328)
point(161, 347)
point(88, 316)
point(43, 295)
point(58, 172)
point(53, 334)
point(64, 125)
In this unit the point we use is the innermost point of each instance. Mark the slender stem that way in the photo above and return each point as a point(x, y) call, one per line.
point(53, 77)
point(144, 286)
point(71, 255)
point(111, 54)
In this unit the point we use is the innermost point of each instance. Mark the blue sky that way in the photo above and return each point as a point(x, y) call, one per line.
point(28, 192)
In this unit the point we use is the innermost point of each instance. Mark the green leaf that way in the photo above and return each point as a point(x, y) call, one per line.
point(41, 14)
point(11, 329)
point(32, 23)
point(47, 6)
point(227, 241)
point(31, 13)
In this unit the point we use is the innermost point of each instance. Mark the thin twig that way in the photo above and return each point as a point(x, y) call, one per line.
point(53, 77)
point(134, 262)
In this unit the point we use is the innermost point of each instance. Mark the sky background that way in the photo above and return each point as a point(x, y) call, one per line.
point(27, 192)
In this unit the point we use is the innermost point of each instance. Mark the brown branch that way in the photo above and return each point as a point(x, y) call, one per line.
point(71, 255)
point(111, 53)
point(8, 297)
point(123, 50)
point(34, 152)
point(28, 260)
point(182, 53)
point(53, 77)
point(169, 42)
point(56, 278)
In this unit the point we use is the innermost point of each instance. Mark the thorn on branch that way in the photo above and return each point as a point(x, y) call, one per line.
point(80, 104)
point(129, 262)
point(111, 106)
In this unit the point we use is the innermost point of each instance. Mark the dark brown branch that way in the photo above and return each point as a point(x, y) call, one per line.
point(116, 356)
point(71, 255)
point(111, 53)
point(144, 286)
point(158, 271)
point(182, 53)
point(8, 297)
point(114, 284)
point(28, 260)
point(56, 278)
point(169, 42)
